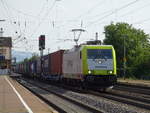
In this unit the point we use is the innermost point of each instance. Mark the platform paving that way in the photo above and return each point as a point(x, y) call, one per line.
point(11, 103)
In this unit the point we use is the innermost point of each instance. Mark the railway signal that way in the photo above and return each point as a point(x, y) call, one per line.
point(42, 42)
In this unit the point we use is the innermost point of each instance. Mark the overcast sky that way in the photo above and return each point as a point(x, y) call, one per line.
point(26, 20)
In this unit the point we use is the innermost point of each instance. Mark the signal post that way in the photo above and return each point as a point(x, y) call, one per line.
point(41, 48)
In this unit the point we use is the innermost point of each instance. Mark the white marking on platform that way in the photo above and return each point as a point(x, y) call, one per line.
point(19, 96)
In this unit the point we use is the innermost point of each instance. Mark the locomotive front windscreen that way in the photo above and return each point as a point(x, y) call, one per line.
point(99, 53)
point(100, 59)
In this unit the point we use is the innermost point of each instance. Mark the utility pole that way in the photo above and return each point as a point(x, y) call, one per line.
point(1, 32)
point(124, 56)
point(1, 29)
point(41, 48)
point(48, 50)
point(96, 36)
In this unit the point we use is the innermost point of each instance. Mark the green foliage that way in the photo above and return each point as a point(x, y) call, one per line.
point(137, 48)
point(34, 57)
point(25, 60)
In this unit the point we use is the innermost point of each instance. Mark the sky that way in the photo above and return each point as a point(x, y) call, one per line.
point(26, 20)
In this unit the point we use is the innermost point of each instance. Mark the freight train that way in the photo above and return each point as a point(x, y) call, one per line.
point(86, 66)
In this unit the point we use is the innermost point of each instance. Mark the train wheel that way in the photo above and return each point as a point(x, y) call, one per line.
point(84, 86)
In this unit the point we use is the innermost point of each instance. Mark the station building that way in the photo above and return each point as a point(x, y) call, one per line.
point(5, 54)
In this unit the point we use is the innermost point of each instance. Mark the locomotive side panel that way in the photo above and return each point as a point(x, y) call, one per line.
point(72, 64)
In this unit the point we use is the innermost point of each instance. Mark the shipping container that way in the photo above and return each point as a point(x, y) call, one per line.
point(38, 67)
point(25, 67)
point(28, 68)
point(46, 69)
point(56, 62)
point(33, 67)
point(19, 68)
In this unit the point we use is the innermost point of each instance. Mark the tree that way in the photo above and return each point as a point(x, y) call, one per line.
point(136, 43)
point(25, 60)
point(34, 57)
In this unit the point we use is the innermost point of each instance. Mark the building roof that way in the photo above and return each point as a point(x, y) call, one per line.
point(5, 42)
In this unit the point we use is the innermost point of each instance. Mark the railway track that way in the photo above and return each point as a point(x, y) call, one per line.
point(138, 96)
point(125, 96)
point(114, 95)
point(136, 101)
point(133, 88)
point(62, 104)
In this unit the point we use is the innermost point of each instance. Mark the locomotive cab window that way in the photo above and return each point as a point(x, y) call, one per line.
point(99, 53)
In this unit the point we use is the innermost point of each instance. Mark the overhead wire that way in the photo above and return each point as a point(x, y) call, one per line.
point(26, 14)
point(23, 33)
point(42, 9)
point(142, 21)
point(23, 13)
point(105, 16)
point(91, 9)
point(135, 10)
point(22, 36)
point(41, 21)
point(3, 12)
point(114, 11)
point(85, 13)
point(46, 14)
point(9, 15)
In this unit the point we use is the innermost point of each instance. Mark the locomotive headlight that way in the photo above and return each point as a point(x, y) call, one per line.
point(110, 72)
point(99, 61)
point(89, 72)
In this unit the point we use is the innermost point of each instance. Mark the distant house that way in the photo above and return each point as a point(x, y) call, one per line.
point(5, 52)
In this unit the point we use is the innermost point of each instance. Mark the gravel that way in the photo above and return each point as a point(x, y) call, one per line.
point(105, 105)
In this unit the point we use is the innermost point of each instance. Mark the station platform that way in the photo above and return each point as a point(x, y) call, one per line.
point(14, 98)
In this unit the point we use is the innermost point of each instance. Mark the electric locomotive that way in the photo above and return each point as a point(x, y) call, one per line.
point(93, 65)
